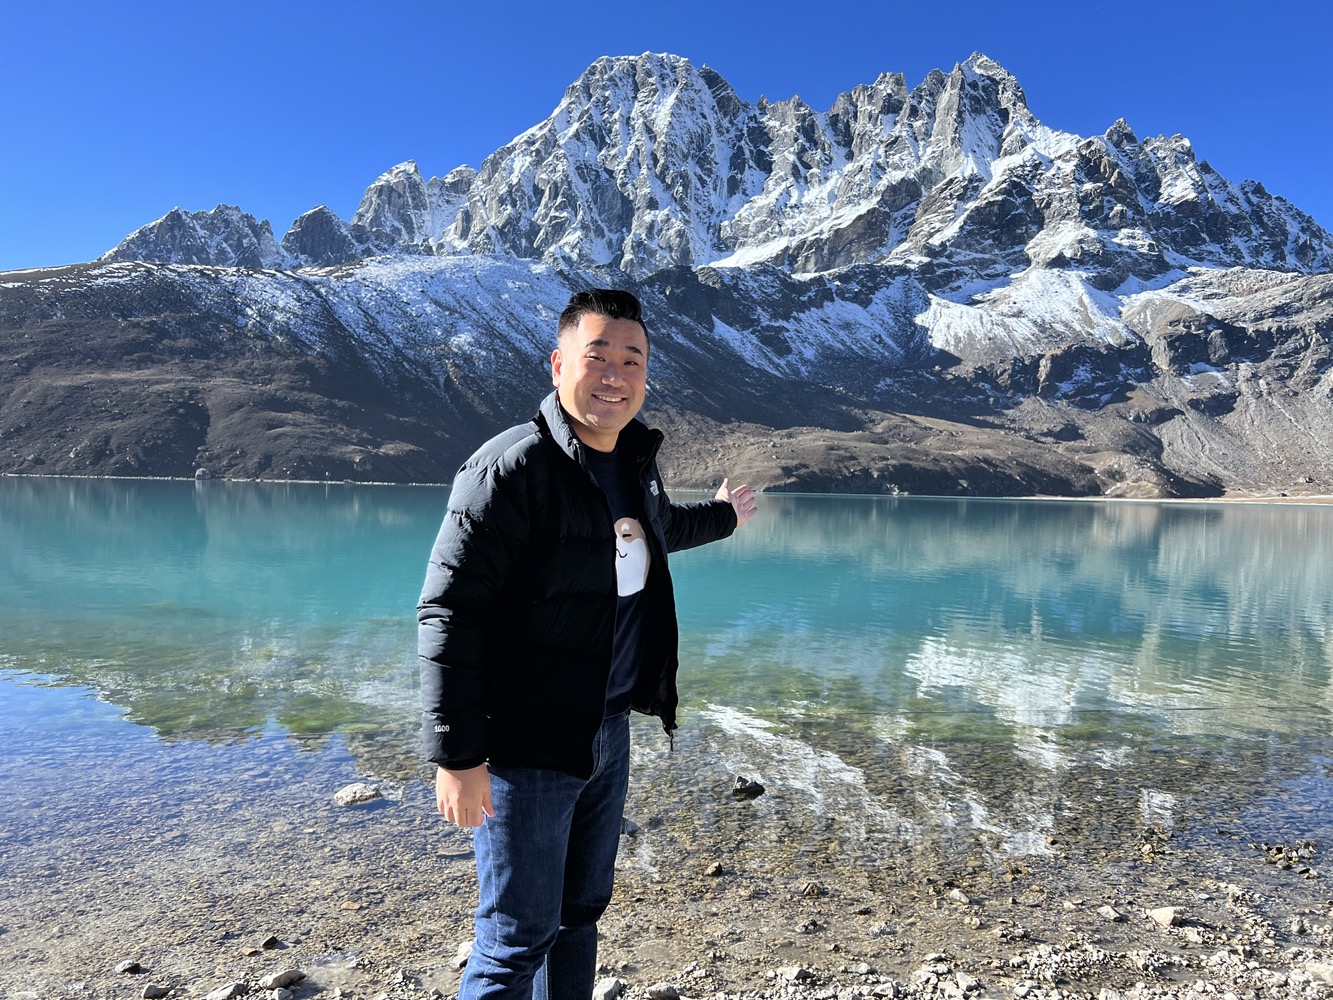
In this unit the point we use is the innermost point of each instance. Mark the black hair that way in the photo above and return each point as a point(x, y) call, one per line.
point(609, 302)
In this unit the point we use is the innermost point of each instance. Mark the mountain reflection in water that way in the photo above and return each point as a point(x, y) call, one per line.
point(1003, 674)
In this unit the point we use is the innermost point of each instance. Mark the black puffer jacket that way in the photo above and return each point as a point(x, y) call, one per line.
point(518, 611)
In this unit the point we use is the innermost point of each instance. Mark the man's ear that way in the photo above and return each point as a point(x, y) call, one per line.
point(556, 362)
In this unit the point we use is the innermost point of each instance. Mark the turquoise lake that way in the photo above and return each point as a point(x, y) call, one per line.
point(981, 676)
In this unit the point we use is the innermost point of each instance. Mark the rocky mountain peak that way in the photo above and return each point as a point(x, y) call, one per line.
point(225, 236)
point(320, 239)
point(395, 212)
point(1120, 135)
point(631, 170)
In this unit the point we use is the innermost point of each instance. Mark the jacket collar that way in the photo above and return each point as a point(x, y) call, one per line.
point(637, 439)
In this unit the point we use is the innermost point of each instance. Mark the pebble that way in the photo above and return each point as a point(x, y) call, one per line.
point(356, 793)
point(1167, 916)
point(129, 968)
point(1111, 914)
point(663, 991)
point(232, 989)
point(609, 988)
point(155, 991)
point(461, 955)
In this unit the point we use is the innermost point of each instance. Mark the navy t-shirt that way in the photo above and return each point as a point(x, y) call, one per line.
point(633, 558)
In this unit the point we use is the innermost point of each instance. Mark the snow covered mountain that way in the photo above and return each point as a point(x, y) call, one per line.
point(650, 163)
point(922, 290)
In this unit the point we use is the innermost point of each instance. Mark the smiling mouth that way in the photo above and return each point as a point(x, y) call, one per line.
point(609, 399)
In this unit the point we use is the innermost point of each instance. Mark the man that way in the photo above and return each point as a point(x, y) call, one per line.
point(547, 614)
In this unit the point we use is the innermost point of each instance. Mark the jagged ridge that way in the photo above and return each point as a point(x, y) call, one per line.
point(650, 163)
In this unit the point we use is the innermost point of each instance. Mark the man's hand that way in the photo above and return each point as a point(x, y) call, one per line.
point(464, 797)
point(742, 500)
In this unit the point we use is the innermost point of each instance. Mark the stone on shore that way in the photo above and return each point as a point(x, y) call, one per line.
point(461, 954)
point(1167, 916)
point(281, 980)
point(609, 988)
point(232, 989)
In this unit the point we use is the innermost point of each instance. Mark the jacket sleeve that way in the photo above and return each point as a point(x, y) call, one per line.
point(460, 607)
point(687, 525)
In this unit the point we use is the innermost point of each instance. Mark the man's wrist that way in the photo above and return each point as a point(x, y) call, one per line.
point(463, 765)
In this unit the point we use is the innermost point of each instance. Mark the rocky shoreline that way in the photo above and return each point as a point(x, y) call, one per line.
point(372, 899)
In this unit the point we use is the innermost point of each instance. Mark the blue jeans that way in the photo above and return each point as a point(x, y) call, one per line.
point(545, 867)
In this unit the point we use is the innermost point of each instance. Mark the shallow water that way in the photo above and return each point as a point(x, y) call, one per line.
point(987, 680)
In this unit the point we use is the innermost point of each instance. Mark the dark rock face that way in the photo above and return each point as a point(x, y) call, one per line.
point(320, 239)
point(921, 290)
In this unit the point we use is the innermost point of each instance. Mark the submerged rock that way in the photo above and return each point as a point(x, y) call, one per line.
point(356, 793)
point(746, 789)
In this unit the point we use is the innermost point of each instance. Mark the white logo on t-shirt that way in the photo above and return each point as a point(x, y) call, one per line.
point(631, 557)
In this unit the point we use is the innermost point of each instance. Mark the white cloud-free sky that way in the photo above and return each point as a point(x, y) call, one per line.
point(115, 113)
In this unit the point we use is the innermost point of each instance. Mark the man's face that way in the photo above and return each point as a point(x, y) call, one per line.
point(600, 371)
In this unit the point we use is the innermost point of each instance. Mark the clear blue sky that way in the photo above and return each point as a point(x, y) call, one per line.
point(115, 113)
